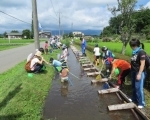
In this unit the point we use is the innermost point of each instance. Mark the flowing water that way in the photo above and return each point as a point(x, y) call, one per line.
point(80, 101)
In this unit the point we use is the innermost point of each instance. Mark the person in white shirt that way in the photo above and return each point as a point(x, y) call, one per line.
point(96, 54)
point(37, 62)
point(64, 53)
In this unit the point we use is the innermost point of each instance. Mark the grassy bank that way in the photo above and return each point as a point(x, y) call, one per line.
point(22, 97)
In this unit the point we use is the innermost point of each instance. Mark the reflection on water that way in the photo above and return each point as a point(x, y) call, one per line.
point(80, 101)
point(64, 89)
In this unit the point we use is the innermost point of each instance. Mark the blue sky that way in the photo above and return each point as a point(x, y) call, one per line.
point(79, 14)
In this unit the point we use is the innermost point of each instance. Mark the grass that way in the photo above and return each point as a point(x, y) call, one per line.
point(117, 47)
point(4, 43)
point(22, 97)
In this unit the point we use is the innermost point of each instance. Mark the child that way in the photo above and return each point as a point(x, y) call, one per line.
point(64, 74)
point(97, 54)
point(124, 68)
point(46, 47)
point(107, 58)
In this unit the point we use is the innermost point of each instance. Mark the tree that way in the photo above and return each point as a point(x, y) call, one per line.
point(70, 34)
point(26, 34)
point(14, 31)
point(126, 25)
point(5, 34)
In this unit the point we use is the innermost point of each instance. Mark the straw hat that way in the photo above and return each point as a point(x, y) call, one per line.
point(38, 53)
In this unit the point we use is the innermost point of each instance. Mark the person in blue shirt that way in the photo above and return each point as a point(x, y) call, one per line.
point(83, 46)
point(107, 58)
point(55, 63)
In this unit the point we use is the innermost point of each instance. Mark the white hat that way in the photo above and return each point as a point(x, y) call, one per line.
point(38, 53)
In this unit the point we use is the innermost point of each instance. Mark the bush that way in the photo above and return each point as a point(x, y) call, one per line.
point(106, 39)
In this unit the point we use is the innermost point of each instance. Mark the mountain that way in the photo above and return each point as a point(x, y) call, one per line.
point(86, 32)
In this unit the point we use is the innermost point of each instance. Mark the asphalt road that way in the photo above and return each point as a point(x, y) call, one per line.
point(10, 58)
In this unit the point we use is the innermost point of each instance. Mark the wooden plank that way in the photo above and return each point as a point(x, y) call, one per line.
point(85, 65)
point(91, 68)
point(121, 106)
point(101, 80)
point(86, 69)
point(93, 73)
point(111, 90)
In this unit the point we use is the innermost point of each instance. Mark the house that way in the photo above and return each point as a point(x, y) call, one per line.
point(77, 34)
point(45, 34)
point(14, 35)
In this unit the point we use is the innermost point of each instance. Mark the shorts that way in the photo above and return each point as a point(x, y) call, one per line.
point(64, 79)
point(46, 50)
point(97, 57)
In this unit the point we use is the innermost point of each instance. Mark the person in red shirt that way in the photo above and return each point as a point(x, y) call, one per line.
point(124, 68)
point(46, 47)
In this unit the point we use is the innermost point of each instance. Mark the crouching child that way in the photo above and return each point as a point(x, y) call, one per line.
point(64, 74)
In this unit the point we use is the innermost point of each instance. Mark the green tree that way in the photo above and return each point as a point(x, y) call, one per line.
point(14, 31)
point(127, 23)
point(70, 34)
point(5, 34)
point(26, 34)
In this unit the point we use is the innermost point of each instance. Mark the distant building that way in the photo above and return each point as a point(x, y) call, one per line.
point(77, 34)
point(45, 34)
point(14, 35)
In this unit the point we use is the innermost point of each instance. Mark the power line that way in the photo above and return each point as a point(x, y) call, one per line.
point(53, 8)
point(14, 17)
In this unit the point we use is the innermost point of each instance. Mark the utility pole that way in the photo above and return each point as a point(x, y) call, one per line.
point(72, 27)
point(59, 23)
point(35, 24)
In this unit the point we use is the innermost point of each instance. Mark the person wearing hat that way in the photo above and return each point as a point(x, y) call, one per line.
point(37, 62)
point(107, 58)
point(96, 54)
point(124, 69)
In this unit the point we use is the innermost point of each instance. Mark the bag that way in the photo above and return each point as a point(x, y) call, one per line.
point(27, 66)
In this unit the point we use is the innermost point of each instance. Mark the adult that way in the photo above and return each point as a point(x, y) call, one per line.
point(138, 72)
point(107, 58)
point(31, 55)
point(83, 46)
point(124, 69)
point(96, 54)
point(64, 53)
point(37, 63)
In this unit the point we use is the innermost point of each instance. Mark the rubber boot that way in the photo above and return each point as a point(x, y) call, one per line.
point(97, 61)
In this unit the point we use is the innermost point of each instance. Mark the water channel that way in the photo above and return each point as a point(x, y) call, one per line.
point(80, 101)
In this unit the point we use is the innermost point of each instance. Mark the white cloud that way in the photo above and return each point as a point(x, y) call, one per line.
point(84, 14)
point(147, 5)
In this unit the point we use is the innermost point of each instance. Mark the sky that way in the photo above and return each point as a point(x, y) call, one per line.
point(74, 14)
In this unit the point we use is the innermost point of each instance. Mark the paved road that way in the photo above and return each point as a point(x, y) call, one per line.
point(10, 58)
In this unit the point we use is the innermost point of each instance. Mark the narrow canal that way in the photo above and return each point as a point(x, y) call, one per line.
point(80, 101)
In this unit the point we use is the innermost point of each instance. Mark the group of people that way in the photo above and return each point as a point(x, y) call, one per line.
point(137, 68)
point(37, 62)
point(55, 42)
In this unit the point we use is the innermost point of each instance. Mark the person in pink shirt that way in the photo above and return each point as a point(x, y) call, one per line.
point(46, 47)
